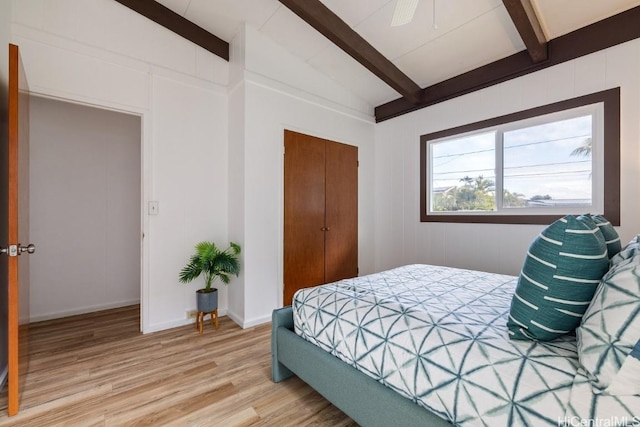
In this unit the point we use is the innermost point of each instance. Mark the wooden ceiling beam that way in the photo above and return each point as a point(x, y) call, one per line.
point(526, 21)
point(600, 35)
point(341, 34)
point(178, 24)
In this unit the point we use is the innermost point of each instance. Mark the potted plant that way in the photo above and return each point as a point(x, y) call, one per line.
point(213, 264)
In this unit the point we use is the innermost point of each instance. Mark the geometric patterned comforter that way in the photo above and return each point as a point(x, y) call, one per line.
point(438, 336)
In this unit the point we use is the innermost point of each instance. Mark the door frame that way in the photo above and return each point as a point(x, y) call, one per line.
point(145, 174)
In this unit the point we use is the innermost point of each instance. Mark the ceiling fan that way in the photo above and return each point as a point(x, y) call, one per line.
point(404, 11)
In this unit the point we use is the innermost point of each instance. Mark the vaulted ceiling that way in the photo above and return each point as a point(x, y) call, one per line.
point(448, 44)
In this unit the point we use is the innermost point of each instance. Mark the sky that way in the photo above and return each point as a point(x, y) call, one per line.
point(537, 159)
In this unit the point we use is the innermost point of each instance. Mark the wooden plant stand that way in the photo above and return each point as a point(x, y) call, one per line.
point(200, 319)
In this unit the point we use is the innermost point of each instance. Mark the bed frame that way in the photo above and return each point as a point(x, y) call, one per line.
point(362, 398)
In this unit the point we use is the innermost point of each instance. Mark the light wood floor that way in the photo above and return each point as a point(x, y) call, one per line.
point(98, 370)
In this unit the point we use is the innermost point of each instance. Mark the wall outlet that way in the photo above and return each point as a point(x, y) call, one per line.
point(191, 314)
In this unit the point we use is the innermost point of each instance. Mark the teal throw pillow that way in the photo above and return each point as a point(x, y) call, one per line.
point(561, 271)
point(611, 237)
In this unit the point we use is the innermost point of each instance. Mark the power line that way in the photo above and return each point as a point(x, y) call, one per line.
point(514, 167)
point(548, 164)
point(548, 140)
point(464, 171)
point(511, 147)
point(538, 175)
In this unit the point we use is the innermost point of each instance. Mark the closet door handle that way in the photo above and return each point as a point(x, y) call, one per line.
point(325, 229)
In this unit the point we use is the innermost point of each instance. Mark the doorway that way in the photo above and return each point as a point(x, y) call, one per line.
point(85, 208)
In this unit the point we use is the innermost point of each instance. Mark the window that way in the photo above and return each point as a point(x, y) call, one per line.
point(528, 167)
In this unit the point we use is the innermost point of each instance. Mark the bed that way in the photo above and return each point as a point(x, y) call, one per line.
point(441, 356)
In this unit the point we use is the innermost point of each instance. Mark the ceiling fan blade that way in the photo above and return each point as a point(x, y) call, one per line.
point(403, 13)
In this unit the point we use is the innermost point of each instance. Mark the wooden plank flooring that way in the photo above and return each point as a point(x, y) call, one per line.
point(98, 370)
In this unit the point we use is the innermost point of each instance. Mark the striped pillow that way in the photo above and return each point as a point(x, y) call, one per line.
point(560, 274)
point(611, 237)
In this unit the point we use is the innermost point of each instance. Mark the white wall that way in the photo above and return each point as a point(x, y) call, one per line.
point(401, 238)
point(236, 169)
point(189, 180)
point(256, 192)
point(99, 52)
point(85, 208)
point(212, 156)
point(5, 39)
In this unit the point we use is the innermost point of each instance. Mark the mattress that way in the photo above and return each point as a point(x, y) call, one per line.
point(438, 336)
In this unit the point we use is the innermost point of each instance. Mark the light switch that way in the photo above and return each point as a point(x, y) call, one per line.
point(154, 208)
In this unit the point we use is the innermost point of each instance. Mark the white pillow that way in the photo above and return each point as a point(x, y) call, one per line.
point(630, 250)
point(627, 380)
point(610, 328)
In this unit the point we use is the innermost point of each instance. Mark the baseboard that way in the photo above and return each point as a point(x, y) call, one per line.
point(244, 324)
point(257, 321)
point(177, 323)
point(168, 325)
point(233, 316)
point(83, 310)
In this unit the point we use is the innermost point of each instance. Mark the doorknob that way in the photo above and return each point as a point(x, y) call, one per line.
point(30, 248)
point(3, 250)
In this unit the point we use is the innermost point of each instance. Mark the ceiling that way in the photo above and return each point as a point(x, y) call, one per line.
point(445, 38)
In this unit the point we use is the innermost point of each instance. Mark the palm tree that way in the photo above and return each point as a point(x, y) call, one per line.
point(512, 199)
point(583, 150)
point(484, 185)
point(212, 263)
point(467, 180)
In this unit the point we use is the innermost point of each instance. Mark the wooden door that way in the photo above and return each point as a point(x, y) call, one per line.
point(18, 229)
point(320, 212)
point(304, 202)
point(341, 192)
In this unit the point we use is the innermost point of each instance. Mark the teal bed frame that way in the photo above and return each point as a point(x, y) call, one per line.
point(362, 398)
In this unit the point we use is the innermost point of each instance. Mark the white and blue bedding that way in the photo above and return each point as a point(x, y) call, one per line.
point(438, 336)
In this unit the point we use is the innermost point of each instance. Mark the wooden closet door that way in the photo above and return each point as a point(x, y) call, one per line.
point(341, 211)
point(304, 205)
